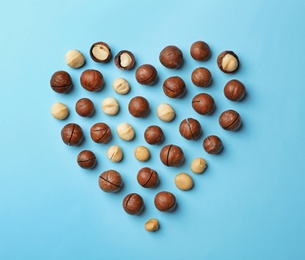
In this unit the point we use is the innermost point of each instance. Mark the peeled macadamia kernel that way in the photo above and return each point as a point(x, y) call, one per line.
point(59, 111)
point(75, 59)
point(152, 225)
point(114, 153)
point(121, 86)
point(183, 181)
point(110, 106)
point(165, 112)
point(141, 153)
point(125, 131)
point(198, 165)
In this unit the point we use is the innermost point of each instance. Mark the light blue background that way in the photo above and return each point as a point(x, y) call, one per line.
point(249, 204)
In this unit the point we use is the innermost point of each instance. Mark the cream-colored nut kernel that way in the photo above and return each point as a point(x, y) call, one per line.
point(125, 131)
point(152, 225)
point(183, 181)
point(59, 111)
point(198, 165)
point(75, 59)
point(229, 63)
point(125, 59)
point(114, 153)
point(165, 112)
point(100, 52)
point(141, 153)
point(121, 86)
point(110, 106)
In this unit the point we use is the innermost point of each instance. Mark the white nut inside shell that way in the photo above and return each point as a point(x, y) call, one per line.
point(229, 63)
point(125, 60)
point(100, 52)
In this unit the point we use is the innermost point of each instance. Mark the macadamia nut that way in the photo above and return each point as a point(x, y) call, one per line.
point(75, 59)
point(165, 112)
point(110, 106)
point(141, 153)
point(183, 181)
point(229, 62)
point(114, 153)
point(59, 111)
point(152, 225)
point(198, 165)
point(121, 86)
point(125, 131)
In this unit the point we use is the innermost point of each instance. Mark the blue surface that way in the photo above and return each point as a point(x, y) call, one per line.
point(249, 204)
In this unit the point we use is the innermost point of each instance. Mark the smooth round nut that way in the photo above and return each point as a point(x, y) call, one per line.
point(212, 144)
point(59, 111)
point(190, 128)
point(138, 106)
point(203, 104)
point(227, 61)
point(121, 86)
point(165, 201)
point(100, 52)
point(86, 159)
point(201, 77)
point(165, 112)
point(61, 82)
point(172, 155)
point(141, 153)
point(84, 107)
point(200, 51)
point(72, 134)
point(124, 60)
point(152, 225)
point(92, 80)
point(147, 177)
point(174, 87)
point(153, 134)
point(234, 90)
point(198, 165)
point(100, 133)
point(110, 181)
point(184, 181)
point(146, 74)
point(110, 106)
point(75, 59)
point(230, 120)
point(125, 131)
point(133, 204)
point(171, 57)
point(115, 153)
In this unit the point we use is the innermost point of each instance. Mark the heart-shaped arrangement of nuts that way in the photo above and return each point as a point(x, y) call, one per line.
point(171, 155)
